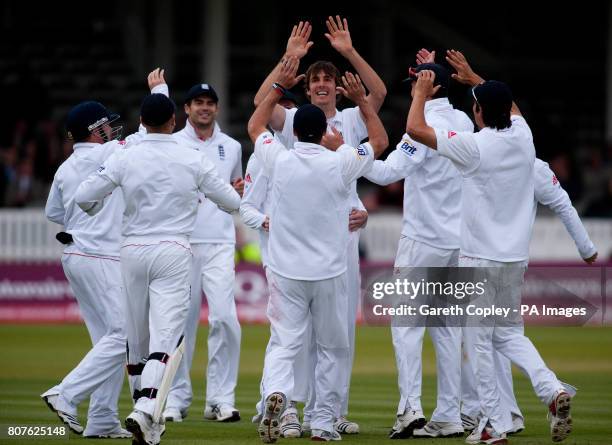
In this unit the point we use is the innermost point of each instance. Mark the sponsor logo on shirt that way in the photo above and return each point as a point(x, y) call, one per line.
point(407, 148)
point(451, 134)
point(268, 141)
point(362, 150)
point(122, 142)
point(248, 178)
point(555, 181)
point(101, 169)
point(221, 152)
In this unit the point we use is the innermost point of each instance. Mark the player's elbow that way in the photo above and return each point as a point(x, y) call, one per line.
point(379, 144)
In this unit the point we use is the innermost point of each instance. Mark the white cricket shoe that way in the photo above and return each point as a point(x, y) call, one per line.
point(344, 426)
point(290, 425)
point(143, 429)
point(222, 413)
point(50, 398)
point(269, 427)
point(325, 436)
point(171, 414)
point(119, 433)
point(487, 436)
point(518, 425)
point(439, 429)
point(560, 417)
point(469, 423)
point(406, 424)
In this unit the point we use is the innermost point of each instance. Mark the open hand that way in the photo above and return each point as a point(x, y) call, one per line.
point(465, 74)
point(238, 185)
point(339, 35)
point(332, 141)
point(298, 43)
point(155, 78)
point(425, 56)
point(353, 88)
point(288, 77)
point(357, 219)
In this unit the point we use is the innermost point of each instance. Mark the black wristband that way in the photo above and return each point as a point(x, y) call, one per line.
point(279, 88)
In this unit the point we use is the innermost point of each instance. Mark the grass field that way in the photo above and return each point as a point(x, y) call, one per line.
point(36, 357)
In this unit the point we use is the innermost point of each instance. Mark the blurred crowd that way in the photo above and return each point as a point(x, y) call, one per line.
point(32, 150)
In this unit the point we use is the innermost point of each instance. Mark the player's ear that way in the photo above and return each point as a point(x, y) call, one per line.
point(186, 108)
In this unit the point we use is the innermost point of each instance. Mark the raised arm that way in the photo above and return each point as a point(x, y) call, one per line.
point(354, 90)
point(297, 46)
point(286, 78)
point(416, 126)
point(340, 39)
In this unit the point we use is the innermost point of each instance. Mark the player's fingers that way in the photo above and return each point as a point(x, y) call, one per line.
point(307, 30)
point(299, 28)
point(330, 28)
point(332, 23)
point(435, 90)
point(299, 78)
point(161, 75)
point(294, 31)
point(341, 91)
point(308, 45)
point(345, 23)
point(339, 23)
point(329, 37)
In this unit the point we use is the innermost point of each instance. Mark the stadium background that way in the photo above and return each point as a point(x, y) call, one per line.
point(558, 62)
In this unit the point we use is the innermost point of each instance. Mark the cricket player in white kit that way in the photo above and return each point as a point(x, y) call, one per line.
point(213, 245)
point(430, 238)
point(496, 223)
point(307, 265)
point(91, 265)
point(321, 82)
point(160, 181)
point(548, 192)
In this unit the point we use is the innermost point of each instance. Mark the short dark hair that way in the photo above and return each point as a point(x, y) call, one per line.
point(494, 98)
point(325, 66)
point(495, 118)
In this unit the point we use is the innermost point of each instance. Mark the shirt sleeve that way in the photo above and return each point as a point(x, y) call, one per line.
point(267, 149)
point(401, 162)
point(237, 171)
point(286, 136)
point(358, 124)
point(254, 197)
point(548, 191)
point(54, 209)
point(355, 161)
point(460, 147)
point(215, 189)
point(91, 193)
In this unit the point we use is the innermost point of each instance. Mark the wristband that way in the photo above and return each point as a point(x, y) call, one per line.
point(281, 90)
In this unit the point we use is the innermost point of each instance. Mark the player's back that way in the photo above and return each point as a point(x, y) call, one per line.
point(499, 214)
point(308, 214)
point(98, 235)
point(159, 179)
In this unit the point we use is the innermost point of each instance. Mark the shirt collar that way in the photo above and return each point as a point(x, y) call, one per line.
point(84, 146)
point(160, 137)
point(190, 131)
point(439, 104)
point(305, 147)
point(335, 120)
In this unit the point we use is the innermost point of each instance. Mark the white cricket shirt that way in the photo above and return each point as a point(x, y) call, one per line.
point(310, 205)
point(99, 235)
point(497, 210)
point(348, 122)
point(255, 203)
point(212, 224)
point(432, 185)
point(160, 180)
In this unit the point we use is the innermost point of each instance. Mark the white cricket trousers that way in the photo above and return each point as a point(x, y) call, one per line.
point(293, 304)
point(96, 284)
point(213, 272)
point(156, 282)
point(408, 343)
point(305, 363)
point(481, 342)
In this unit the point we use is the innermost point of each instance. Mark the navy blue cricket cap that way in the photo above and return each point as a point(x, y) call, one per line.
point(201, 89)
point(156, 110)
point(442, 74)
point(86, 117)
point(309, 122)
point(493, 96)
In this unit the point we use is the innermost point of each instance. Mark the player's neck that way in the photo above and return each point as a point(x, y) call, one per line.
point(329, 110)
point(204, 132)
